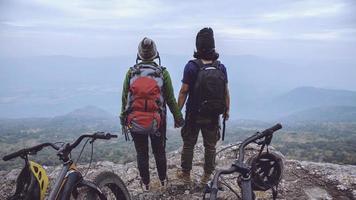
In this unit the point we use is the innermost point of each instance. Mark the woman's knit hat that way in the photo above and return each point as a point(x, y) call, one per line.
point(147, 50)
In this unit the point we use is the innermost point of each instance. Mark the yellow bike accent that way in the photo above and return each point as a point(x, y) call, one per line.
point(41, 177)
point(73, 167)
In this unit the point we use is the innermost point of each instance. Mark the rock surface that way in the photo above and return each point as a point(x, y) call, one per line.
point(301, 179)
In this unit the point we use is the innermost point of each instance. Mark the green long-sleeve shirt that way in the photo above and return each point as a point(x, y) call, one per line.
point(168, 94)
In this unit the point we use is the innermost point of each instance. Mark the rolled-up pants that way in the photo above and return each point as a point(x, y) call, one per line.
point(190, 132)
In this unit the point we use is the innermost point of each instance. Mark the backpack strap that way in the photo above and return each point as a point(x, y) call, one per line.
point(216, 64)
point(137, 69)
point(158, 71)
point(200, 64)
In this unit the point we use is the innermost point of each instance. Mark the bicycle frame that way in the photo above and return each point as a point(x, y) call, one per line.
point(242, 168)
point(246, 188)
point(68, 180)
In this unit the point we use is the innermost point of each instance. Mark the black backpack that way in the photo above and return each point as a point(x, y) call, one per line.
point(209, 89)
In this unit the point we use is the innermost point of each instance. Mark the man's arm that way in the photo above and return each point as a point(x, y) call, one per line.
point(227, 99)
point(183, 93)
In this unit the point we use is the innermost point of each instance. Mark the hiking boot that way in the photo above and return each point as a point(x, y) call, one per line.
point(164, 185)
point(184, 176)
point(205, 178)
point(145, 187)
point(164, 182)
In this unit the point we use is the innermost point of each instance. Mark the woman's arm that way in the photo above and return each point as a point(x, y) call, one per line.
point(169, 96)
point(124, 95)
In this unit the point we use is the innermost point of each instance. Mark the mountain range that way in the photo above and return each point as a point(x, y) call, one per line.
point(48, 86)
point(308, 102)
point(305, 104)
point(324, 114)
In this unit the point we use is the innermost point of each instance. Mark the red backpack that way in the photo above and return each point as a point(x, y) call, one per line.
point(145, 101)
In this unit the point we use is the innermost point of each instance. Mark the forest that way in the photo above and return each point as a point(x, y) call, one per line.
point(333, 142)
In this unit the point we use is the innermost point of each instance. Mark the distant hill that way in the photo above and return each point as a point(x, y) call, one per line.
point(305, 98)
point(324, 114)
point(85, 119)
point(89, 118)
point(88, 112)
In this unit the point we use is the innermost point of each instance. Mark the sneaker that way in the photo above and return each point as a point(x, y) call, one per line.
point(184, 176)
point(205, 178)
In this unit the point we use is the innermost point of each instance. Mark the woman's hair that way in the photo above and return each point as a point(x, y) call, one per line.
point(205, 45)
point(210, 55)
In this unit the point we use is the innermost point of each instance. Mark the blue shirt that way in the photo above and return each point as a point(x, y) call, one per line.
point(190, 75)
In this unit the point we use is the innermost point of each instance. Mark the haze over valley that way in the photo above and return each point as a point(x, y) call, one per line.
point(62, 65)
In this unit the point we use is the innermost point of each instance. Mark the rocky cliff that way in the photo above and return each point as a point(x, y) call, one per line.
point(301, 179)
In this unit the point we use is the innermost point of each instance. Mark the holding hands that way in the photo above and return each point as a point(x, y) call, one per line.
point(178, 123)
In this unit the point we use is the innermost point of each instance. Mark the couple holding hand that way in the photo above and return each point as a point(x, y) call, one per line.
point(148, 89)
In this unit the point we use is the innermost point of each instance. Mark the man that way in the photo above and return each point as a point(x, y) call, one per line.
point(146, 91)
point(205, 84)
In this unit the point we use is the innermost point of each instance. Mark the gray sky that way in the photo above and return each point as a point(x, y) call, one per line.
point(320, 29)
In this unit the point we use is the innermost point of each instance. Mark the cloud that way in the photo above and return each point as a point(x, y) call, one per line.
point(246, 33)
point(103, 9)
point(9, 99)
point(73, 25)
point(110, 14)
point(328, 35)
point(305, 10)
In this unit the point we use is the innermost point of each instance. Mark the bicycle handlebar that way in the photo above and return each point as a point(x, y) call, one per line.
point(97, 135)
point(266, 133)
point(276, 127)
point(269, 131)
point(65, 149)
point(27, 151)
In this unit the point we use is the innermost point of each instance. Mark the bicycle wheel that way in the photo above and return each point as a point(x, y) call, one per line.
point(111, 185)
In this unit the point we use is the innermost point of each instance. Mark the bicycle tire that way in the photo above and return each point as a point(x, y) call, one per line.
point(111, 181)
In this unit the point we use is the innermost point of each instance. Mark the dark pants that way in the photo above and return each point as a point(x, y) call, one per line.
point(159, 152)
point(190, 132)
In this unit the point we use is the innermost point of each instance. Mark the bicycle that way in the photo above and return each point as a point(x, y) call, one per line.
point(261, 172)
point(32, 182)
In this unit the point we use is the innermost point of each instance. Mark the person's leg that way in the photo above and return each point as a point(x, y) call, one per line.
point(141, 146)
point(159, 152)
point(190, 133)
point(211, 135)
